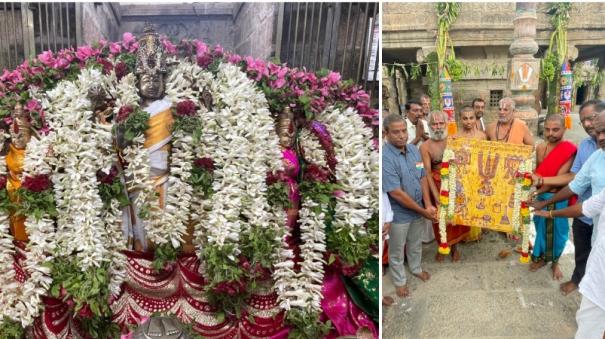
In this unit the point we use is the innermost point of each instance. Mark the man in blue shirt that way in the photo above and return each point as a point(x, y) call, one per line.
point(582, 227)
point(403, 178)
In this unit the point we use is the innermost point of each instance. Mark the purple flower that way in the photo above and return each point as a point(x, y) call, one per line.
point(46, 58)
point(121, 70)
point(61, 63)
point(128, 39)
point(124, 113)
point(107, 66)
point(317, 173)
point(115, 48)
point(234, 58)
point(168, 46)
point(331, 79)
point(37, 183)
point(204, 163)
point(339, 194)
point(185, 108)
point(134, 47)
point(2, 181)
point(256, 67)
point(85, 52)
point(204, 60)
point(107, 178)
point(218, 51)
point(200, 48)
point(32, 105)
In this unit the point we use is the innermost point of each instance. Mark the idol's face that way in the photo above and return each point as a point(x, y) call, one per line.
point(151, 86)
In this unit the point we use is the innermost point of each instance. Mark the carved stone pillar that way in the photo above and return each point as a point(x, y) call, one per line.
point(523, 68)
point(402, 89)
point(389, 92)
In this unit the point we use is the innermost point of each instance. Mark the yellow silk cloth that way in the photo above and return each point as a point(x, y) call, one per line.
point(159, 129)
point(486, 182)
point(14, 162)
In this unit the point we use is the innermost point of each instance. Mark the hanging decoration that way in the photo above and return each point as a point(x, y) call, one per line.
point(566, 93)
point(447, 13)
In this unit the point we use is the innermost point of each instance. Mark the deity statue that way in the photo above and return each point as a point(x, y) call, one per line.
point(286, 131)
point(20, 132)
point(150, 71)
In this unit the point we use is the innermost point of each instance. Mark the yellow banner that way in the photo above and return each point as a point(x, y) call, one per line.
point(485, 184)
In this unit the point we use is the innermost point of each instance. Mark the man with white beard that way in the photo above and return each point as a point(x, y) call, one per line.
point(432, 156)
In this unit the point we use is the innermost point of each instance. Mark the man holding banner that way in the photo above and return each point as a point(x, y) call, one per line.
point(553, 157)
point(432, 156)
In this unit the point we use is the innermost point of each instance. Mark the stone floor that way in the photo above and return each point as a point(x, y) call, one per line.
point(482, 296)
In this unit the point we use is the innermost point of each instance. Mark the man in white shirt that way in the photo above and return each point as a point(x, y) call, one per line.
point(591, 315)
point(418, 129)
point(387, 218)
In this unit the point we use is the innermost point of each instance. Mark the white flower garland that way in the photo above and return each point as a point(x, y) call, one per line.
point(187, 82)
point(354, 152)
point(76, 147)
point(313, 152)
point(238, 147)
point(446, 186)
point(27, 303)
point(520, 195)
point(451, 207)
point(8, 281)
point(304, 290)
point(138, 172)
point(356, 172)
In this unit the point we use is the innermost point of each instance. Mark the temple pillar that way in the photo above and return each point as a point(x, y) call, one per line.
point(389, 91)
point(402, 90)
point(523, 68)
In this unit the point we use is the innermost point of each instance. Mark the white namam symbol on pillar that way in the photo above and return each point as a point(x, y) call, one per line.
point(525, 72)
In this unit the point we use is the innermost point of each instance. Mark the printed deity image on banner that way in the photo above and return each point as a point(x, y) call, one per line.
point(486, 177)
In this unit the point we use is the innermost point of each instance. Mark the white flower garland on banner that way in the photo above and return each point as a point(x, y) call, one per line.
point(446, 184)
point(521, 195)
point(354, 153)
point(451, 207)
point(313, 151)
